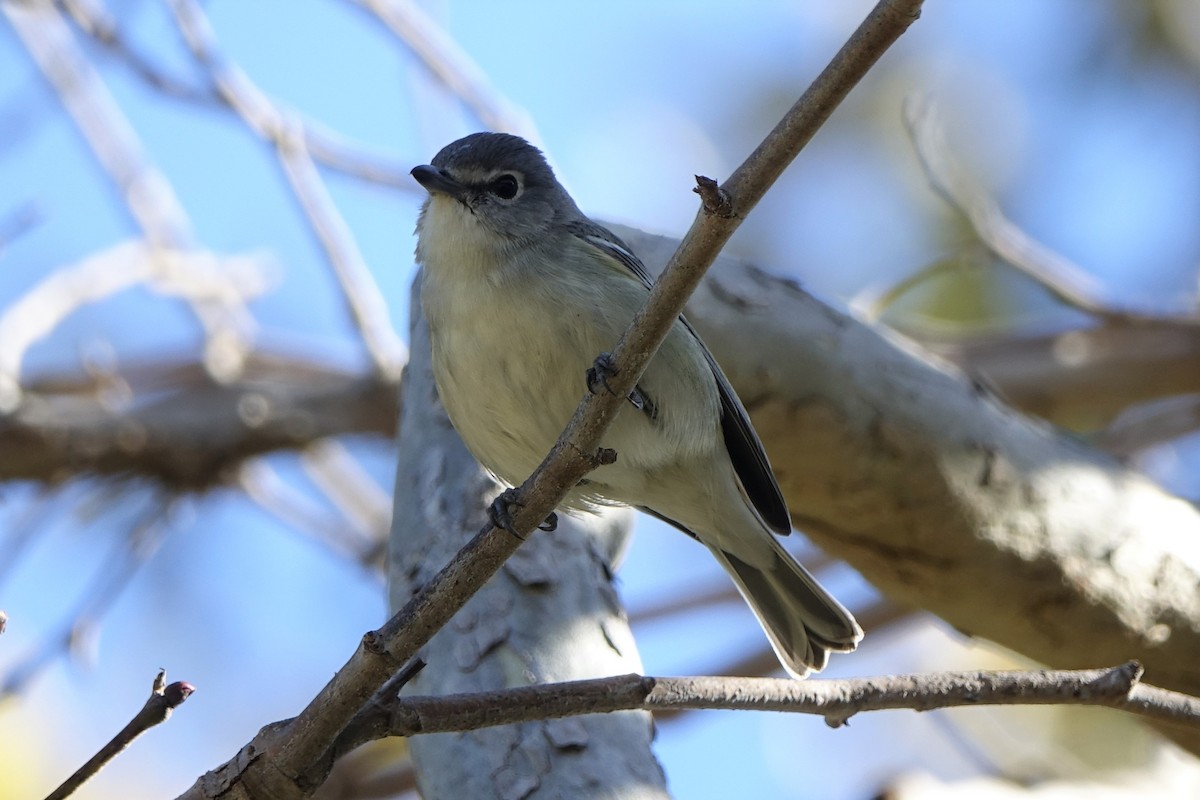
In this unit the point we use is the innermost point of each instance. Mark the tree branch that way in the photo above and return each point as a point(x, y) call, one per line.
point(835, 700)
point(192, 437)
point(157, 709)
point(1067, 281)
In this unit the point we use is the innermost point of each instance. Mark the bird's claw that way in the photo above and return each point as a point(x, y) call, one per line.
point(500, 513)
point(599, 372)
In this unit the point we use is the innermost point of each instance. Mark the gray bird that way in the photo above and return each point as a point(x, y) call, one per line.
point(522, 292)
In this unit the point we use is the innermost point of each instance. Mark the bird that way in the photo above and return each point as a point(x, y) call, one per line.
point(524, 295)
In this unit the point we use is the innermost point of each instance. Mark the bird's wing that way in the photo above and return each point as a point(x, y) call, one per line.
point(745, 450)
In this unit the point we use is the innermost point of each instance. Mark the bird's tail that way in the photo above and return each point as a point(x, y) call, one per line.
point(803, 621)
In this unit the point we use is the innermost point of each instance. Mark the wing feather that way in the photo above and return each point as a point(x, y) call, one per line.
point(745, 450)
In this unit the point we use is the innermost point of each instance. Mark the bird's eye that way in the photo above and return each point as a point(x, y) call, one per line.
point(505, 187)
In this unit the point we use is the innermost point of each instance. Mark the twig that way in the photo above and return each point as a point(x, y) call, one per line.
point(1067, 281)
point(837, 700)
point(362, 294)
point(200, 277)
point(447, 62)
point(288, 751)
point(95, 20)
point(327, 147)
point(115, 145)
point(1081, 378)
point(351, 489)
point(158, 707)
point(18, 222)
point(298, 509)
point(1148, 424)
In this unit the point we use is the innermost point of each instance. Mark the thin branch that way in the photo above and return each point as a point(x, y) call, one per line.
point(362, 294)
point(1149, 424)
point(157, 709)
point(18, 222)
point(1081, 378)
point(287, 751)
point(1067, 281)
point(95, 20)
point(837, 700)
point(299, 510)
point(450, 65)
point(114, 143)
point(199, 277)
point(328, 147)
point(353, 491)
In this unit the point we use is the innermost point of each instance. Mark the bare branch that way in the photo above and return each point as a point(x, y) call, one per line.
point(1067, 281)
point(297, 509)
point(1150, 424)
point(17, 223)
point(157, 709)
point(363, 297)
point(94, 19)
point(328, 147)
point(114, 143)
point(182, 427)
point(295, 746)
point(835, 700)
point(363, 502)
point(197, 276)
point(1071, 377)
point(447, 62)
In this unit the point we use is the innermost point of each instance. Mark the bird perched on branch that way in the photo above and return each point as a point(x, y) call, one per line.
point(522, 293)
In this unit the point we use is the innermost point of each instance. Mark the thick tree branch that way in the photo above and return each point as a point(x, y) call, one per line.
point(945, 498)
point(280, 764)
point(193, 436)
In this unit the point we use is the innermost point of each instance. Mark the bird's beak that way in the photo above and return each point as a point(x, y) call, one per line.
point(438, 181)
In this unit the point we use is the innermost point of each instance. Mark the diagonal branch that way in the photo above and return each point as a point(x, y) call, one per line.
point(147, 194)
point(286, 751)
point(1066, 280)
point(163, 700)
point(364, 299)
point(446, 61)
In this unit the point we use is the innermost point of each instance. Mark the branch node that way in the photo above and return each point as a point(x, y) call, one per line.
point(715, 200)
point(603, 456)
point(374, 643)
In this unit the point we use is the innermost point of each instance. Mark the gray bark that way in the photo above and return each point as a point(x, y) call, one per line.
point(551, 614)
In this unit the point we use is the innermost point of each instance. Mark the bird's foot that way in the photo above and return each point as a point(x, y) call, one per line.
point(500, 513)
point(598, 374)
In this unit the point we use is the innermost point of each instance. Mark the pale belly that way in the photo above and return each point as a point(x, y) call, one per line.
point(510, 384)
